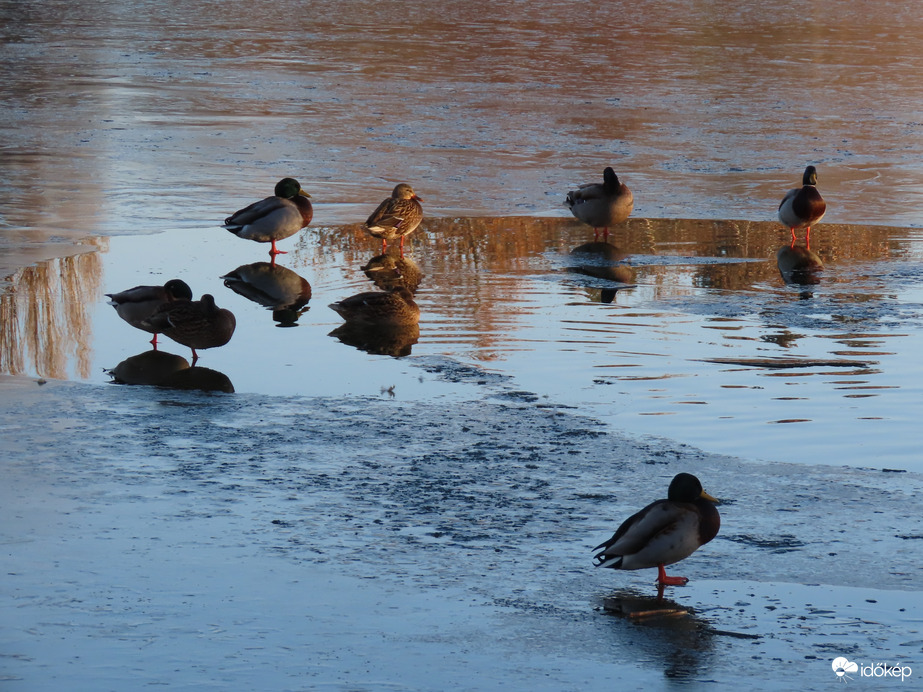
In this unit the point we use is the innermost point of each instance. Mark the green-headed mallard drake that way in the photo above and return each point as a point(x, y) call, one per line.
point(274, 218)
point(137, 304)
point(198, 324)
point(802, 207)
point(664, 532)
point(601, 205)
point(396, 217)
point(379, 308)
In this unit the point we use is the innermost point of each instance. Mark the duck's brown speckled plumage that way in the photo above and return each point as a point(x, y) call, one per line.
point(395, 307)
point(397, 216)
point(198, 324)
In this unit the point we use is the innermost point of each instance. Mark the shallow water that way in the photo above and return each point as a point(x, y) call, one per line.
point(432, 515)
point(701, 340)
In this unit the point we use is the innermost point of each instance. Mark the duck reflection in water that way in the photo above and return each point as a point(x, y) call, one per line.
point(669, 633)
point(136, 305)
point(602, 260)
point(390, 270)
point(383, 340)
point(162, 369)
point(198, 324)
point(277, 288)
point(799, 265)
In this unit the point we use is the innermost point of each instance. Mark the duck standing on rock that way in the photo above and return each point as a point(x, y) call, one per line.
point(802, 207)
point(198, 324)
point(601, 205)
point(274, 218)
point(136, 305)
point(396, 217)
point(664, 532)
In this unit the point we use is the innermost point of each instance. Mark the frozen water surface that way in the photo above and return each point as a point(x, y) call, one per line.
point(420, 516)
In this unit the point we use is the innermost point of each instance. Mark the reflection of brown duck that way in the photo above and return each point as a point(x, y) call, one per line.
point(664, 532)
point(160, 369)
point(601, 205)
point(803, 207)
point(198, 324)
point(274, 218)
point(601, 260)
point(389, 271)
point(396, 217)
point(150, 368)
point(282, 290)
point(388, 340)
point(137, 304)
point(396, 307)
point(799, 265)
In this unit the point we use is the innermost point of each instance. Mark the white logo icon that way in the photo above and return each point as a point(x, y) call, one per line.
point(841, 666)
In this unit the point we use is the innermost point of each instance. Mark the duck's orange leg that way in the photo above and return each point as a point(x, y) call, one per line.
point(275, 251)
point(663, 579)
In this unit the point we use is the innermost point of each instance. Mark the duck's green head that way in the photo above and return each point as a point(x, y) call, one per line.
point(810, 176)
point(687, 488)
point(288, 188)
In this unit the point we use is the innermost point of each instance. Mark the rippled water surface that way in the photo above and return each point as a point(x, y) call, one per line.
point(140, 117)
point(684, 329)
point(434, 503)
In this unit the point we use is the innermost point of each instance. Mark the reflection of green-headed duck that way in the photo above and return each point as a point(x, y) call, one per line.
point(396, 217)
point(601, 205)
point(137, 304)
point(802, 207)
point(274, 218)
point(664, 532)
point(380, 308)
point(198, 324)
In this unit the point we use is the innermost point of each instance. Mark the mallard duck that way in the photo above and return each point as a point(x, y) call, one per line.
point(664, 532)
point(274, 218)
point(137, 304)
point(802, 207)
point(601, 205)
point(396, 217)
point(198, 324)
point(379, 308)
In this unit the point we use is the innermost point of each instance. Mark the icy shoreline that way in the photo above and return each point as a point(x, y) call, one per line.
point(207, 540)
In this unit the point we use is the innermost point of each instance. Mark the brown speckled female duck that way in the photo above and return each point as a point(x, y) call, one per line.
point(396, 217)
point(198, 324)
point(379, 308)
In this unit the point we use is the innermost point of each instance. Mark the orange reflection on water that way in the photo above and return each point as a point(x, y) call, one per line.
point(45, 316)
